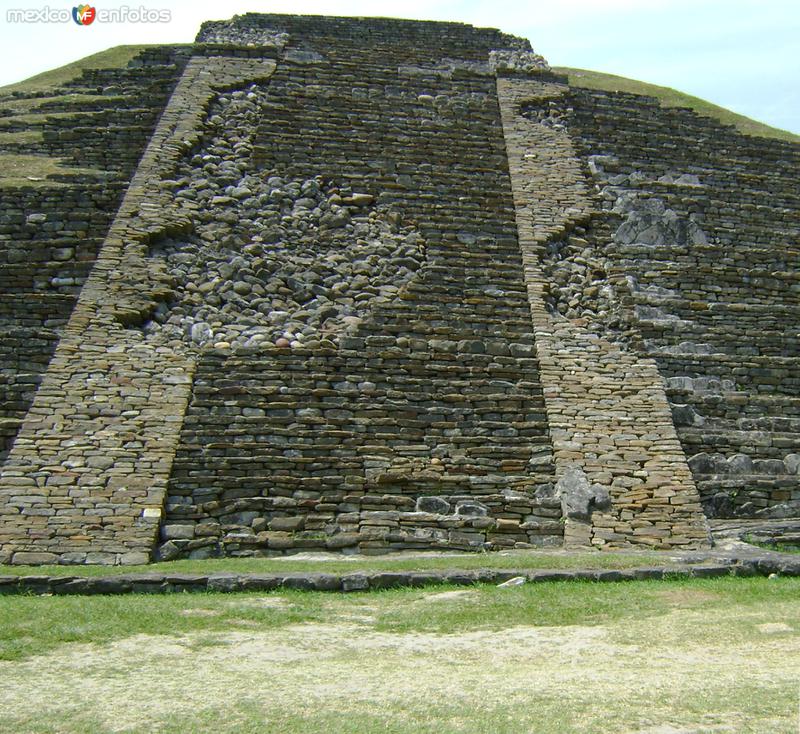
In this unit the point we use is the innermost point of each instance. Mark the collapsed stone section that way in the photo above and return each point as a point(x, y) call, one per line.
point(579, 284)
point(312, 276)
point(270, 259)
point(522, 61)
point(240, 32)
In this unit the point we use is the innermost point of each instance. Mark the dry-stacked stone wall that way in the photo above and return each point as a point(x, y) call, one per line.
point(51, 227)
point(387, 395)
point(611, 427)
point(85, 479)
point(380, 285)
point(704, 246)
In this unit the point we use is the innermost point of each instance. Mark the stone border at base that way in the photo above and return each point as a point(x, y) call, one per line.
point(169, 583)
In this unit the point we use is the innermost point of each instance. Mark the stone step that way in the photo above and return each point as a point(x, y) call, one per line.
point(337, 521)
point(758, 444)
point(27, 279)
point(9, 425)
point(324, 509)
point(680, 303)
point(397, 480)
point(772, 375)
point(477, 445)
point(733, 405)
point(750, 495)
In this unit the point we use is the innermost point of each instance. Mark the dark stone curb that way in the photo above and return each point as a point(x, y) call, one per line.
point(169, 583)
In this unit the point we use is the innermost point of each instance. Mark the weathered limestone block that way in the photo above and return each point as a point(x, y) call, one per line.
point(578, 497)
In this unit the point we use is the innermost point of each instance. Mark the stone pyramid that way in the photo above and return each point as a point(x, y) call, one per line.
point(370, 285)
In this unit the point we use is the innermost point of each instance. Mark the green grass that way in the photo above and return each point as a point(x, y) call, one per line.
point(32, 170)
point(779, 547)
point(673, 98)
point(392, 562)
point(567, 657)
point(112, 58)
point(29, 105)
point(23, 136)
point(40, 117)
point(32, 625)
point(28, 627)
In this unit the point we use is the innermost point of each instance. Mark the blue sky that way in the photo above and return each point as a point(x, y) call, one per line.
point(741, 54)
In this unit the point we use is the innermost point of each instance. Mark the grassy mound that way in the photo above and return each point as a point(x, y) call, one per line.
point(672, 98)
point(112, 58)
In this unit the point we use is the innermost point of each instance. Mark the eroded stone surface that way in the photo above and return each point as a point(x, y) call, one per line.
point(270, 257)
point(325, 318)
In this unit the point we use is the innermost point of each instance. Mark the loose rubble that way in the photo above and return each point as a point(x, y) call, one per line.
point(272, 260)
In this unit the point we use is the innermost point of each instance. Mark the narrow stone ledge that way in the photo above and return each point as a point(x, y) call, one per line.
point(155, 583)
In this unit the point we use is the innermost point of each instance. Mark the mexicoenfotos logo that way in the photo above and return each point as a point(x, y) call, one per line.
point(84, 14)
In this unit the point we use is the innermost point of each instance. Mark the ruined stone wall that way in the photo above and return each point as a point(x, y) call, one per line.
point(380, 285)
point(51, 226)
point(85, 479)
point(411, 417)
point(704, 242)
point(610, 423)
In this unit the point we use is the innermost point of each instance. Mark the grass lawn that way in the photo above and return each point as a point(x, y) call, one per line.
point(716, 655)
point(31, 105)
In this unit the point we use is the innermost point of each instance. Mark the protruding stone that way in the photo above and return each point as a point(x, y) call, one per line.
point(434, 505)
point(578, 497)
point(33, 558)
point(471, 508)
point(177, 532)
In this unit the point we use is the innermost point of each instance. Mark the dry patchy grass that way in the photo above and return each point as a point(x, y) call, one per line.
point(680, 657)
